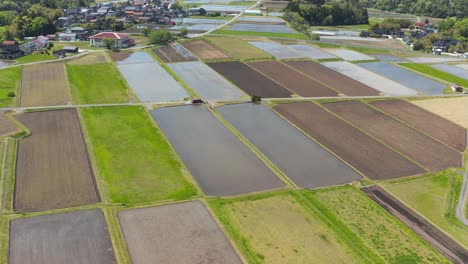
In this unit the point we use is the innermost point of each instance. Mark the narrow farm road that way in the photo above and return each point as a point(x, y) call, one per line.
point(460, 213)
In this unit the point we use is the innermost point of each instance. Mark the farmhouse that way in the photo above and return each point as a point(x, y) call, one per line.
point(120, 40)
point(10, 50)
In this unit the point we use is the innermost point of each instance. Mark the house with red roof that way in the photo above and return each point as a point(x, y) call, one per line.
point(120, 40)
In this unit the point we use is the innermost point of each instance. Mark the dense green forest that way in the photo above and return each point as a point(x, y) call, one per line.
point(432, 8)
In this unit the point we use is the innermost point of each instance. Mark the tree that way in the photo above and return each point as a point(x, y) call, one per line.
point(160, 37)
point(183, 32)
point(110, 43)
point(256, 98)
point(426, 21)
point(176, 6)
point(11, 94)
point(145, 32)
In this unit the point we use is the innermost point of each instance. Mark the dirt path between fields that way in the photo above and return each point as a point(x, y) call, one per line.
point(460, 213)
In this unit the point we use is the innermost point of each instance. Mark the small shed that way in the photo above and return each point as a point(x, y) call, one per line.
point(70, 49)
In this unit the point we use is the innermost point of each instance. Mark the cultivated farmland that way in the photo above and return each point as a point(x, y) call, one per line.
point(311, 52)
point(44, 85)
point(281, 229)
point(332, 78)
point(175, 233)
point(260, 27)
point(301, 159)
point(102, 84)
point(457, 71)
point(295, 81)
point(205, 50)
point(349, 55)
point(250, 80)
point(206, 82)
point(377, 229)
point(435, 59)
point(367, 155)
point(92, 58)
point(277, 50)
point(7, 126)
point(463, 66)
point(73, 237)
point(431, 124)
point(9, 82)
point(369, 78)
point(238, 48)
point(52, 169)
point(387, 58)
point(426, 69)
point(135, 160)
point(453, 109)
point(219, 161)
point(419, 147)
point(174, 53)
point(405, 77)
point(122, 58)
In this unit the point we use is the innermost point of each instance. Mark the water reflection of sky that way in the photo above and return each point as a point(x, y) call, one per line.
point(5, 63)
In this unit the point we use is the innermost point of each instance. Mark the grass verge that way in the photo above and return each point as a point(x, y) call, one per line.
point(261, 34)
point(426, 69)
point(10, 80)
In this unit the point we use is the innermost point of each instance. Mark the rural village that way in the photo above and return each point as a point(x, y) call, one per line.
point(208, 131)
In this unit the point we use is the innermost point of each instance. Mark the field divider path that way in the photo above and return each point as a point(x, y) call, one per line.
point(462, 200)
point(7, 175)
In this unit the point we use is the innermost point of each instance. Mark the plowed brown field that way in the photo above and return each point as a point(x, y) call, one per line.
point(44, 84)
point(419, 147)
point(293, 80)
point(205, 50)
point(332, 78)
point(438, 127)
point(169, 54)
point(364, 153)
point(7, 127)
point(52, 169)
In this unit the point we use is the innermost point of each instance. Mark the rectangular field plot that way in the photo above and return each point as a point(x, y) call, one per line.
point(10, 80)
point(260, 27)
point(292, 79)
point(282, 229)
point(205, 50)
point(311, 52)
point(426, 151)
point(334, 79)
point(175, 233)
point(378, 231)
point(457, 71)
point(453, 109)
point(268, 20)
point(44, 85)
point(97, 83)
point(136, 162)
point(7, 126)
point(122, 58)
point(92, 58)
point(249, 80)
point(405, 77)
point(206, 82)
point(301, 159)
point(364, 153)
point(387, 58)
point(349, 55)
point(219, 161)
point(152, 83)
point(277, 50)
point(435, 59)
point(52, 168)
point(238, 48)
point(73, 237)
point(369, 78)
point(463, 66)
point(431, 124)
point(174, 53)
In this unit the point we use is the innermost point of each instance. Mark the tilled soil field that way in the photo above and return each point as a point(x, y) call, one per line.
point(364, 153)
point(419, 147)
point(7, 127)
point(332, 78)
point(52, 169)
point(170, 54)
point(44, 85)
point(250, 80)
point(204, 50)
point(440, 128)
point(73, 237)
point(175, 233)
point(442, 242)
point(293, 80)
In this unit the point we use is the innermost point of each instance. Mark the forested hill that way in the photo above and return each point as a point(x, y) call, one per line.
point(432, 8)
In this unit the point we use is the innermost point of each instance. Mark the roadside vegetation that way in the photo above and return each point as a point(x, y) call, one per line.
point(427, 69)
point(97, 83)
point(434, 197)
point(133, 158)
point(9, 86)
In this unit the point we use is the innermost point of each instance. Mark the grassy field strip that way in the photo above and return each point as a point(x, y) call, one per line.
point(116, 235)
point(435, 73)
point(238, 48)
point(10, 80)
point(435, 198)
point(284, 178)
point(7, 175)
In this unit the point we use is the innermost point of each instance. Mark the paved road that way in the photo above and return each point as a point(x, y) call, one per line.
point(463, 195)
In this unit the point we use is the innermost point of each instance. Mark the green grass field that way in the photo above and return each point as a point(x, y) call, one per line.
point(35, 58)
point(133, 157)
point(375, 227)
point(238, 48)
point(261, 34)
point(426, 69)
point(280, 229)
point(9, 82)
point(97, 83)
point(435, 197)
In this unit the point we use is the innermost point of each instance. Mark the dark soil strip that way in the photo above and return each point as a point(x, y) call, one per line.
point(364, 153)
point(445, 244)
point(431, 124)
point(333, 79)
point(249, 80)
point(421, 148)
point(293, 80)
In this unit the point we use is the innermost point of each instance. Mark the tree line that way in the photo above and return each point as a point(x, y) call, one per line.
point(431, 8)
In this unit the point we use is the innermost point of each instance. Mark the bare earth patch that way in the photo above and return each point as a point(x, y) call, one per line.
point(454, 109)
point(7, 127)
